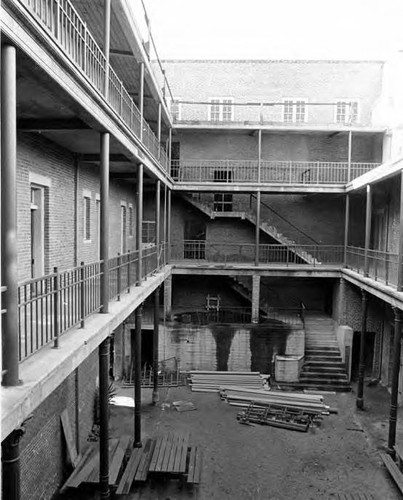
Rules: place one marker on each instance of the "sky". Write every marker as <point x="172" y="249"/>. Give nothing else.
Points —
<point x="275" y="29"/>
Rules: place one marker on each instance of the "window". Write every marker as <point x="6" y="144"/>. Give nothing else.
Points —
<point x="123" y="228"/>
<point x="221" y="109"/>
<point x="294" y="110"/>
<point x="346" y="111"/>
<point x="131" y="221"/>
<point x="176" y="110"/>
<point x="87" y="218"/>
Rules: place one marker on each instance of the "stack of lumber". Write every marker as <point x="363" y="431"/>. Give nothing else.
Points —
<point x="243" y="397"/>
<point x="211" y="381"/>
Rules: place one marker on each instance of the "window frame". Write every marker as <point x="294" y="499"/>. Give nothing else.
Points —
<point x="346" y="103"/>
<point x="219" y="102"/>
<point x="294" y="107"/>
<point x="87" y="226"/>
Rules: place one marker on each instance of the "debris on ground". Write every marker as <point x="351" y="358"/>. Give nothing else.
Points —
<point x="211" y="381"/>
<point x="184" y="406"/>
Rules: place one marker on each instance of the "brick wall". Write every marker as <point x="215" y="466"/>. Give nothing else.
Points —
<point x="43" y="450"/>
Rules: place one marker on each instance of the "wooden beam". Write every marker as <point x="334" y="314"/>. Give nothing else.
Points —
<point x="35" y="124"/>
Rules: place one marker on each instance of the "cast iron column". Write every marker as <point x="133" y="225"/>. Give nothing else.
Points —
<point x="159" y="129"/>
<point x="155" y="343"/>
<point x="349" y="147"/>
<point x="158" y="221"/>
<point x="395" y="381"/>
<point x="141" y="99"/>
<point x="346" y="227"/>
<point x="367" y="230"/>
<point x="104" y="227"/>
<point x="9" y="265"/>
<point x="107" y="43"/>
<point x="103" y="354"/>
<point x="165" y="224"/>
<point x="257" y="232"/>
<point x="400" y="254"/>
<point x="361" y="366"/>
<point x="169" y="227"/>
<point x="10" y="458"/>
<point x="139" y="224"/>
<point x="137" y="378"/>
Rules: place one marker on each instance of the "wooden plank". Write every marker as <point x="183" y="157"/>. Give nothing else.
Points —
<point x="191" y="467"/>
<point x="182" y="463"/>
<point x="197" y="467"/>
<point x="129" y="473"/>
<point x="71" y="481"/>
<point x="167" y="453"/>
<point x="84" y="472"/>
<point x="117" y="459"/>
<point x="93" y="477"/>
<point x="72" y="455"/>
<point x="155" y="454"/>
<point x="142" y="471"/>
<point x="161" y="454"/>
<point x="393" y="470"/>
<point x="174" y="451"/>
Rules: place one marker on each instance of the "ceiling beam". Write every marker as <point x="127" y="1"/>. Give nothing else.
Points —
<point x="35" y="124"/>
<point x="124" y="53"/>
<point x="96" y="157"/>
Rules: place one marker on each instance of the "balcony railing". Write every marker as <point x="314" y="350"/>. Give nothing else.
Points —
<point x="50" y="305"/>
<point x="281" y="172"/>
<point x="235" y="253"/>
<point x="382" y="266"/>
<point x="62" y="22"/>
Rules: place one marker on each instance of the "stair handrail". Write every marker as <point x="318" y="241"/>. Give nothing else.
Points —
<point x="286" y="220"/>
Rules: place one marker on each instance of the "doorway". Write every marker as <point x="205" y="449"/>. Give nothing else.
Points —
<point x="195" y="240"/>
<point x="37" y="231"/>
<point x="223" y="201"/>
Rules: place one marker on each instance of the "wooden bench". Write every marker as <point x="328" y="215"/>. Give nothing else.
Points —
<point x="194" y="466"/>
<point x="170" y="455"/>
<point x="393" y="469"/>
<point x="137" y="467"/>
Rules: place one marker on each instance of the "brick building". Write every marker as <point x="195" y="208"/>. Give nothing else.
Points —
<point x="272" y="184"/>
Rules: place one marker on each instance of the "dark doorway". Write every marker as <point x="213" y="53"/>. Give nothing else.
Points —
<point x="175" y="160"/>
<point x="146" y="348"/>
<point x="223" y="201"/>
<point x="195" y="240"/>
<point x="368" y="354"/>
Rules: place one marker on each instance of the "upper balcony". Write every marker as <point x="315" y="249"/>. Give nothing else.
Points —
<point x="60" y="23"/>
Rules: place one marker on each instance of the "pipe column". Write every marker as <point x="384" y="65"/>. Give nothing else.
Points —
<point x="139" y="224"/>
<point x="155" y="344"/>
<point x="104" y="226"/>
<point x="137" y="377"/>
<point x="103" y="354"/>
<point x="10" y="458"/>
<point x="361" y="366"/>
<point x="395" y="381"/>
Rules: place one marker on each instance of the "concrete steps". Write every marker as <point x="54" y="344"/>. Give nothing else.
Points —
<point x="323" y="368"/>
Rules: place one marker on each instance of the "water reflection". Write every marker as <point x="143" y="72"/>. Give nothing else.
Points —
<point x="224" y="347"/>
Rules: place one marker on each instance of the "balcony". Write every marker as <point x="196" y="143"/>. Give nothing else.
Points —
<point x="273" y="172"/>
<point x="61" y="21"/>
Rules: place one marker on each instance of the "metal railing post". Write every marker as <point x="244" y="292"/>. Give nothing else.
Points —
<point x="56" y="308"/>
<point x="82" y="298"/>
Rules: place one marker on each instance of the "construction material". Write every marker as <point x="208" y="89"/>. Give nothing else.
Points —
<point x="72" y="454"/>
<point x="182" y="406"/>
<point x="276" y="417"/>
<point x="394" y="470"/>
<point x="170" y="454"/>
<point x="137" y="467"/>
<point x="194" y="466"/>
<point x="211" y="381"/>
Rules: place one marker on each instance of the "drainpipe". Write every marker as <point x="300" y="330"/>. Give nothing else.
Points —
<point x="10" y="451"/>
<point x="9" y="263"/>
<point x="395" y="381"/>
<point x="103" y="355"/>
<point x="361" y="367"/>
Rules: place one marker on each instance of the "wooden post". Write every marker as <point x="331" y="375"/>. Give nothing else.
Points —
<point x="346" y="228"/>
<point x="361" y="367"/>
<point x="139" y="224"/>
<point x="103" y="354"/>
<point x="9" y="264"/>
<point x="155" y="343"/>
<point x="104" y="226"/>
<point x="400" y="250"/>
<point x="367" y="230"/>
<point x="137" y="378"/>
<point x="395" y="381"/>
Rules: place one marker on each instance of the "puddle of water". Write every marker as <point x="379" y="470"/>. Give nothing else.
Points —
<point x="224" y="347"/>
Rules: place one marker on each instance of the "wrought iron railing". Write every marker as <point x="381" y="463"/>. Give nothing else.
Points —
<point x="50" y="305"/>
<point x="382" y="266"/>
<point x="282" y="172"/>
<point x="62" y="22"/>
<point x="222" y="252"/>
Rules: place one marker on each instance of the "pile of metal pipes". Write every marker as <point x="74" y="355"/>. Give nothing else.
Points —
<point x="243" y="397"/>
<point x="212" y="381"/>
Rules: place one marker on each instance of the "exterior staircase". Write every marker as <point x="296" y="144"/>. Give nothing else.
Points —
<point x="264" y="226"/>
<point x="323" y="368"/>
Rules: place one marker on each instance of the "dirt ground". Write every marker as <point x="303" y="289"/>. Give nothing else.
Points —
<point x="338" y="460"/>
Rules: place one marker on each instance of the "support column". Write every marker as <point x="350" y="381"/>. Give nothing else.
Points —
<point x="141" y="103"/>
<point x="170" y="151"/>
<point x="257" y="230"/>
<point x="395" y="381"/>
<point x="159" y="129"/>
<point x="367" y="230"/>
<point x="349" y="146"/>
<point x="169" y="227"/>
<point x="168" y="297"/>
<point x="137" y="378"/>
<point x="361" y="366"/>
<point x="139" y="224"/>
<point x="158" y="221"/>
<point x="259" y="164"/>
<point x="165" y="224"/>
<point x="104" y="226"/>
<point x="10" y="458"/>
<point x="255" y="298"/>
<point x="155" y="343"/>
<point x="9" y="265"/>
<point x="103" y="354"/>
<point x="346" y="228"/>
<point x="400" y="249"/>
<point x="107" y="43"/>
